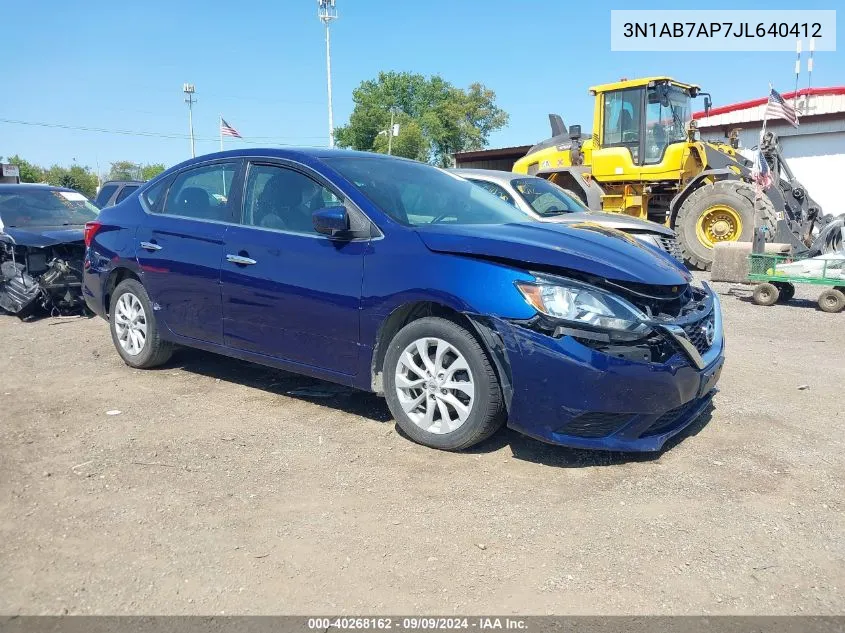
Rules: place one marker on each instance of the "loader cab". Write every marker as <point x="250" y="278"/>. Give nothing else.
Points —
<point x="635" y="122"/>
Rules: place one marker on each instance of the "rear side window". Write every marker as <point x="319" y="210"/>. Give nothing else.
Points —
<point x="152" y="195"/>
<point x="202" y="193"/>
<point x="124" y="193"/>
<point x="105" y="194"/>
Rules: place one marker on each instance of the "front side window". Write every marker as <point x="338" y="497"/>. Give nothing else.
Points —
<point x="622" y="120"/>
<point x="202" y="193"/>
<point x="545" y="197"/>
<point x="415" y="194"/>
<point x="284" y="199"/>
<point x="667" y="113"/>
<point x="496" y="190"/>
<point x="45" y="207"/>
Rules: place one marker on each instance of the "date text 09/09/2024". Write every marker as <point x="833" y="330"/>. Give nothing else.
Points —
<point x="417" y="623"/>
<point x="721" y="29"/>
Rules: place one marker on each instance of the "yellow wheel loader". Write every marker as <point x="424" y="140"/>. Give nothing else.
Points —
<point x="644" y="158"/>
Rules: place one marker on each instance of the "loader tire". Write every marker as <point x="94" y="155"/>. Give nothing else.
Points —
<point x="722" y="211"/>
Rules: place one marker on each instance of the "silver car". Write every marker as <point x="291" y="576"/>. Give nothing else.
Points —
<point x="546" y="202"/>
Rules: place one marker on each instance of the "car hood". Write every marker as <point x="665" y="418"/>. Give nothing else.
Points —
<point x="618" y="221"/>
<point x="39" y="236"/>
<point x="585" y="247"/>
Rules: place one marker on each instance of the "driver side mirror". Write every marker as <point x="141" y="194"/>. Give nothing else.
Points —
<point x="331" y="221"/>
<point x="707" y="104"/>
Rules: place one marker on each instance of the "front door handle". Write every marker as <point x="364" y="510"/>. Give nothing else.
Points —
<point x="150" y="246"/>
<point x="240" y="260"/>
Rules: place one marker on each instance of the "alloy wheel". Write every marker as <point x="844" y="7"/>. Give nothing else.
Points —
<point x="435" y="385"/>
<point x="130" y="324"/>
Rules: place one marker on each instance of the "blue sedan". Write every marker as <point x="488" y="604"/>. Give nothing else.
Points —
<point x="400" y="278"/>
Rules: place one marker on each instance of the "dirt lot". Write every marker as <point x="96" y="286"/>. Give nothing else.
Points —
<point x="213" y="491"/>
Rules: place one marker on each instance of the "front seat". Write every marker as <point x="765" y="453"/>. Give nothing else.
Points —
<point x="275" y="202"/>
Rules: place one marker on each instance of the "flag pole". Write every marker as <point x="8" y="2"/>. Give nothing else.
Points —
<point x="765" y="115"/>
<point x="220" y="126"/>
<point x="797" y="72"/>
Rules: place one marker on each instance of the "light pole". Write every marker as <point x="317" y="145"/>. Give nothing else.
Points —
<point x="189" y="90"/>
<point x="327" y="12"/>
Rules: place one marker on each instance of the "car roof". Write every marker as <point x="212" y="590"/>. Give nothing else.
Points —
<point x="492" y="175"/>
<point x="291" y="153"/>
<point x="30" y="186"/>
<point x="123" y="182"/>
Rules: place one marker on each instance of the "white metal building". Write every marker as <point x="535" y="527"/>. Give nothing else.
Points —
<point x="815" y="150"/>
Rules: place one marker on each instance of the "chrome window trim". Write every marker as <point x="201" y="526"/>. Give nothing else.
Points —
<point x="267" y="160"/>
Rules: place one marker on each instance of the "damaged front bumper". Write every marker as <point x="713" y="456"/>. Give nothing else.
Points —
<point x="41" y="278"/>
<point x="563" y="391"/>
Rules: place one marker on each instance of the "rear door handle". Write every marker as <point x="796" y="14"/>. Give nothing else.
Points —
<point x="150" y="246"/>
<point x="240" y="260"/>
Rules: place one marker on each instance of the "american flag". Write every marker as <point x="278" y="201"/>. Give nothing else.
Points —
<point x="228" y="130"/>
<point x="761" y="174"/>
<point x="777" y="108"/>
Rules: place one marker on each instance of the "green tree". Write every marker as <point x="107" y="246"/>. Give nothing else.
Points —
<point x="82" y="179"/>
<point x="124" y="170"/>
<point x="436" y="118"/>
<point x="29" y="172"/>
<point x="151" y="170"/>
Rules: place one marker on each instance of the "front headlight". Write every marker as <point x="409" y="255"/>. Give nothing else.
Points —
<point x="587" y="309"/>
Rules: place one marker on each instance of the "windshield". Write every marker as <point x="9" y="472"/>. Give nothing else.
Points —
<point x="45" y="207"/>
<point x="667" y="115"/>
<point x="415" y="194"/>
<point x="545" y="197"/>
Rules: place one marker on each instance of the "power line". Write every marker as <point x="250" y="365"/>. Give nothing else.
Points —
<point x="82" y="128"/>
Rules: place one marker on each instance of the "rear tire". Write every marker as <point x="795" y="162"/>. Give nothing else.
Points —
<point x="134" y="328"/>
<point x="433" y="401"/>
<point x="832" y="300"/>
<point x="766" y="294"/>
<point x="736" y="195"/>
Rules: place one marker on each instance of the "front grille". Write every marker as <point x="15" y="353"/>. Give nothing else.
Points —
<point x="697" y="332"/>
<point x="671" y="246"/>
<point x="669" y="419"/>
<point x="596" y="424"/>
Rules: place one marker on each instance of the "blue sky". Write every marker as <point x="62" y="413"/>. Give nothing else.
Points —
<point x="119" y="65"/>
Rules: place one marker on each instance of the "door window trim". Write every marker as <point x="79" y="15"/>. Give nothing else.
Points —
<point x="641" y="127"/>
<point x="234" y="201"/>
<point x="305" y="170"/>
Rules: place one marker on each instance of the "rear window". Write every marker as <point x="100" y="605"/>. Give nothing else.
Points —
<point x="105" y="195"/>
<point x="45" y="207"/>
<point x="125" y="192"/>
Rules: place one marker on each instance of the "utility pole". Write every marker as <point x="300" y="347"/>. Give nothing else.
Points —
<point x="390" y="133"/>
<point x="327" y="12"/>
<point x="189" y="90"/>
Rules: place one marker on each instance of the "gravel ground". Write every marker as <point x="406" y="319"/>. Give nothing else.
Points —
<point x="214" y="490"/>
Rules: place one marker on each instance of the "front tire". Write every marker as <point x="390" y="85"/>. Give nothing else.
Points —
<point x="441" y="386"/>
<point x="723" y="211"/>
<point x="134" y="329"/>
<point x="765" y="294"/>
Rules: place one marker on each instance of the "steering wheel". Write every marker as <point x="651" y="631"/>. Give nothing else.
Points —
<point x="440" y="218"/>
